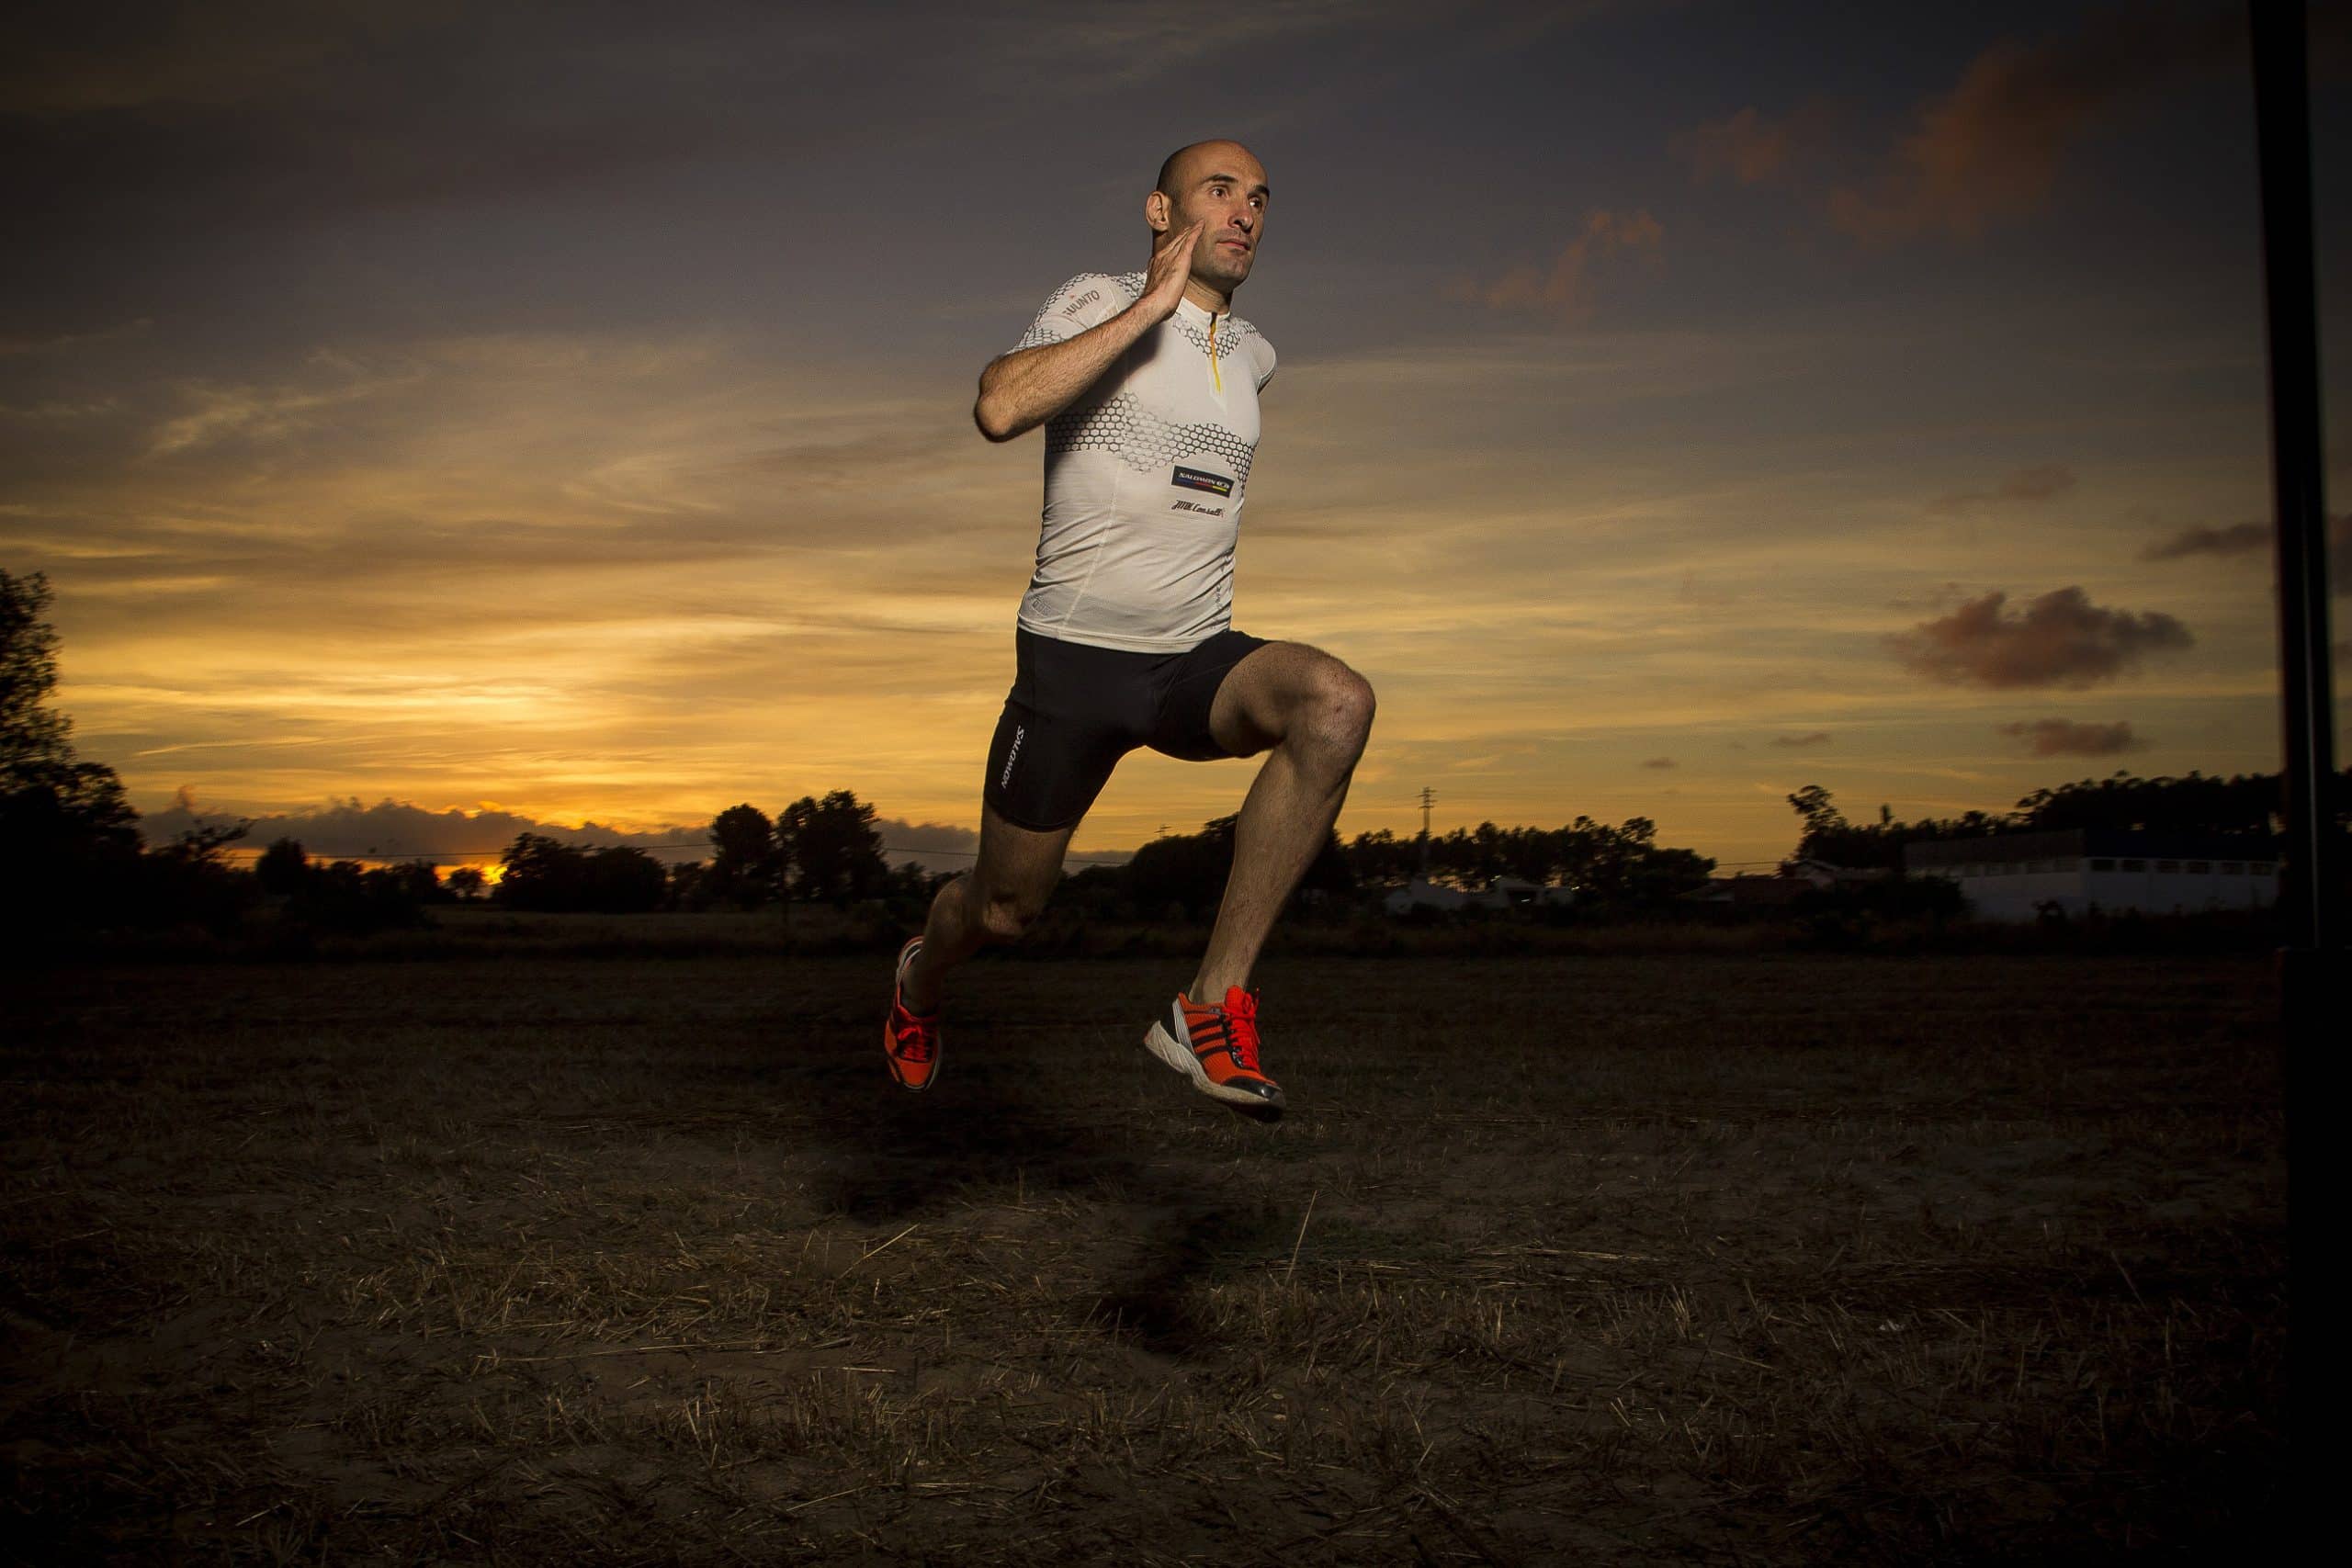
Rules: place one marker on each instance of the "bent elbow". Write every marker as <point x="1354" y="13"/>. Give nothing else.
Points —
<point x="991" y="420"/>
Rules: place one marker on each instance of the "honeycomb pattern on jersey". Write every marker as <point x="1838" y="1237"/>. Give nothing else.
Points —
<point x="1038" y="336"/>
<point x="1228" y="342"/>
<point x="1141" y="439"/>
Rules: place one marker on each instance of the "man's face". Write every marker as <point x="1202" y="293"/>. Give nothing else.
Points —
<point x="1224" y="190"/>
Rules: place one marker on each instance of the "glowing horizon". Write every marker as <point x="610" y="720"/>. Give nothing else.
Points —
<point x="559" y="459"/>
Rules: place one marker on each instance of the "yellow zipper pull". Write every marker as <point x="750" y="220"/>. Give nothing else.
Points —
<point x="1213" y="375"/>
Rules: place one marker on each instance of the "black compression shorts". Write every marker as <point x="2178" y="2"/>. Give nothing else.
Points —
<point x="1076" y="709"/>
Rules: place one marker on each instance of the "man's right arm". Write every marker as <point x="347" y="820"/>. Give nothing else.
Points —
<point x="1022" y="389"/>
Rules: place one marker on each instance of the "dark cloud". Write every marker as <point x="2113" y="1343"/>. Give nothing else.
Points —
<point x="395" y="830"/>
<point x="1817" y="738"/>
<point x="934" y="846"/>
<point x="2025" y="484"/>
<point x="1661" y="763"/>
<point x="1989" y="149"/>
<point x="191" y="115"/>
<point x="2067" y="738"/>
<point x="2244" y="539"/>
<point x="2203" y="539"/>
<point x="2060" y="640"/>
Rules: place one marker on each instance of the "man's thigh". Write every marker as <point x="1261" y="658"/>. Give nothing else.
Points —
<point x="1253" y="707"/>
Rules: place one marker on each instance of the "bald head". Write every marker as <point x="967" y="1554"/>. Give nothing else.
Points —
<point x="1184" y="166"/>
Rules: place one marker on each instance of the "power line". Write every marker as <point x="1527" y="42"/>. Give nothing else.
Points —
<point x="439" y="855"/>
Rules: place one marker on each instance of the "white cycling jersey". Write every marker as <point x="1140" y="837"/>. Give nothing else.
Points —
<point x="1145" y="475"/>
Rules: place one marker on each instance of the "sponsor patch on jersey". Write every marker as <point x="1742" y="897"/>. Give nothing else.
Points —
<point x="1204" y="511"/>
<point x="1197" y="479"/>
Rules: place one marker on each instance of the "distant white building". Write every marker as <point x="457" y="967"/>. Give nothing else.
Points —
<point x="2018" y="876"/>
<point x="1505" y="893"/>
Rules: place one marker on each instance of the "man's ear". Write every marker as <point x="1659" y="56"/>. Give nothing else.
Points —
<point x="1155" y="211"/>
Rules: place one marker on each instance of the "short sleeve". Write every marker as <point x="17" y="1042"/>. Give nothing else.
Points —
<point x="1265" y="363"/>
<point x="1086" y="300"/>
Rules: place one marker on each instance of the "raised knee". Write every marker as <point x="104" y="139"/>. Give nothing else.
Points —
<point x="1005" y="917"/>
<point x="1343" y="708"/>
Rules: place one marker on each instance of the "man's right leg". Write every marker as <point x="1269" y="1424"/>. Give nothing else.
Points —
<point x="994" y="902"/>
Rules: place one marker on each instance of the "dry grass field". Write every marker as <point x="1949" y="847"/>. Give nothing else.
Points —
<point x="1770" y="1258"/>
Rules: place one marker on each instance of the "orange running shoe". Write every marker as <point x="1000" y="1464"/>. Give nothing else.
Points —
<point x="909" y="1042"/>
<point x="1217" y="1048"/>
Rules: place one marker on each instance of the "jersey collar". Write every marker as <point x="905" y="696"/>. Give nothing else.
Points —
<point x="1198" y="316"/>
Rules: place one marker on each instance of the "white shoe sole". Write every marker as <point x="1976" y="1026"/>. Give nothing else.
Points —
<point x="1180" y="1056"/>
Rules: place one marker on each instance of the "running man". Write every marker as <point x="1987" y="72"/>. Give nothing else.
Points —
<point x="1148" y="386"/>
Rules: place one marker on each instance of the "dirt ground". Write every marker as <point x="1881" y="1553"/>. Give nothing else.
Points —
<point x="643" y="1260"/>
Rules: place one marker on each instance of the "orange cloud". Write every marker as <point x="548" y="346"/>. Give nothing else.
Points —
<point x="1562" y="289"/>
<point x="2060" y="640"/>
<point x="1989" y="150"/>
<point x="2203" y="539"/>
<point x="2025" y="484"/>
<point x="2067" y="738"/>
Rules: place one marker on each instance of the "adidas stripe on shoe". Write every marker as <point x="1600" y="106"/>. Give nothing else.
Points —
<point x="1215" y="1048"/>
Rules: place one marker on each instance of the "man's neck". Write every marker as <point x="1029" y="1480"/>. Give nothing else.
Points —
<point x="1215" y="302"/>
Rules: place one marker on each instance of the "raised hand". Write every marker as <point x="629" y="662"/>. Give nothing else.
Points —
<point x="1171" y="268"/>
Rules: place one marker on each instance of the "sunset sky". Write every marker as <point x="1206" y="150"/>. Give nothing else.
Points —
<point x="566" y="410"/>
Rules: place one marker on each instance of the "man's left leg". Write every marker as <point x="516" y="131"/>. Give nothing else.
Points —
<point x="1315" y="714"/>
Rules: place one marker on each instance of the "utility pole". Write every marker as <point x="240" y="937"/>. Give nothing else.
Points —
<point x="1428" y="799"/>
<point x="2311" y="868"/>
<point x="2311" y="876"/>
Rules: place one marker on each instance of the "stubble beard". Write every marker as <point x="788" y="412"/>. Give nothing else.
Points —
<point x="1226" y="274"/>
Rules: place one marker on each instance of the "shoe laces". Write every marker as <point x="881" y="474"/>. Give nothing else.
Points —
<point x="1239" y="1014"/>
<point x="912" y="1036"/>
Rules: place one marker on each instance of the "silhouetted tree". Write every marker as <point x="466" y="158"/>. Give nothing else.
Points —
<point x="1610" y="867"/>
<point x="282" y="868"/>
<point x="58" y="813"/>
<point x="833" y="848"/>
<point x="1380" y="857"/>
<point x="466" y="882"/>
<point x="2246" y="803"/>
<point x="1192" y="869"/>
<point x="1185" y="869"/>
<point x="542" y="874"/>
<point x="546" y="875"/>
<point x="625" y="881"/>
<point x="349" y="899"/>
<point x="65" y="827"/>
<point x="420" y="881"/>
<point x="744" y="859"/>
<point x="1828" y="837"/>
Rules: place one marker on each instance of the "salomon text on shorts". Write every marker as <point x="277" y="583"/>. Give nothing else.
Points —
<point x="1076" y="709"/>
